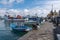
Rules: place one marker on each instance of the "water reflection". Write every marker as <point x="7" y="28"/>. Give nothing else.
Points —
<point x="7" y="34"/>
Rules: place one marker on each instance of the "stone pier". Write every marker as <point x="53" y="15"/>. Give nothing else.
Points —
<point x="44" y="33"/>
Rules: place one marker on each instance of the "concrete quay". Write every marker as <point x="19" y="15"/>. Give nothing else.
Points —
<point x="44" y="33"/>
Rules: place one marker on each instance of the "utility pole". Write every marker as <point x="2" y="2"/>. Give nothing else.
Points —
<point x="52" y="10"/>
<point x="52" y="7"/>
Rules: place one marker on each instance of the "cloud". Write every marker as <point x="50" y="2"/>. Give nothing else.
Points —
<point x="56" y="4"/>
<point x="2" y="12"/>
<point x="47" y="4"/>
<point x="19" y="1"/>
<point x="10" y="2"/>
<point x="24" y="12"/>
<point x="42" y="8"/>
<point x="36" y="10"/>
<point x="13" y="12"/>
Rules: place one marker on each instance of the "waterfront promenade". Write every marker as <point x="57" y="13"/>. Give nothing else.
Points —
<point x="45" y="32"/>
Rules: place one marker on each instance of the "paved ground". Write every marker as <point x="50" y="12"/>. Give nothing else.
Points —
<point x="44" y="33"/>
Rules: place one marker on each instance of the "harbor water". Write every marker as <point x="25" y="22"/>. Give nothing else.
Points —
<point x="7" y="34"/>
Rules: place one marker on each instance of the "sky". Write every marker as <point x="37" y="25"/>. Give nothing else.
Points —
<point x="28" y="7"/>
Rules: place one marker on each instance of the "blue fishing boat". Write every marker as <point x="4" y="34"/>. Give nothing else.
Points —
<point x="20" y="28"/>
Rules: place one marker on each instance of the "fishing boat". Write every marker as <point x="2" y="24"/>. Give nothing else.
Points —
<point x="18" y="23"/>
<point x="20" y="28"/>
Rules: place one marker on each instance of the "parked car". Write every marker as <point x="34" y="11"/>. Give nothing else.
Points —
<point x="56" y="32"/>
<point x="56" y="20"/>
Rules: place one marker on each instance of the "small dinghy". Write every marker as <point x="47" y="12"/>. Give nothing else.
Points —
<point x="20" y="28"/>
